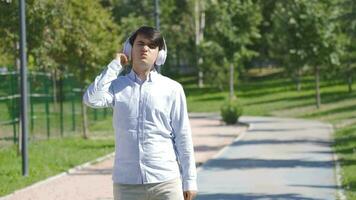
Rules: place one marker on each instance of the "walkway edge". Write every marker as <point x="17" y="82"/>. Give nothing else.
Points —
<point x="51" y="178"/>
<point x="338" y="177"/>
<point x="239" y="137"/>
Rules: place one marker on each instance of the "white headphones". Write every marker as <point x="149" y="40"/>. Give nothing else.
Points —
<point x="162" y="54"/>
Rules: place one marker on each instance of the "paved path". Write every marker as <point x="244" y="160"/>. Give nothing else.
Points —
<point x="94" y="182"/>
<point x="275" y="159"/>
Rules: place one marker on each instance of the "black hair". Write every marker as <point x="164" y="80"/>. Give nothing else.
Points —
<point x="150" y="33"/>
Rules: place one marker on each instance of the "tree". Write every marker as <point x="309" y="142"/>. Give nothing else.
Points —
<point x="65" y="36"/>
<point x="348" y="23"/>
<point x="177" y="26"/>
<point x="231" y="28"/>
<point x="309" y="36"/>
<point x="90" y="38"/>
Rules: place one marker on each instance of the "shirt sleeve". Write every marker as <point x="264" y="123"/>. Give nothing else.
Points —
<point x="183" y="140"/>
<point x="99" y="93"/>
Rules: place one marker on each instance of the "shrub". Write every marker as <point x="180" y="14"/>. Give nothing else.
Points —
<point x="231" y="111"/>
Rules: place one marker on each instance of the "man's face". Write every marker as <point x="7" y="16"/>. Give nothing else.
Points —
<point x="144" y="53"/>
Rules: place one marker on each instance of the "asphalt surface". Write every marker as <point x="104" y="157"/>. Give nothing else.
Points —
<point x="276" y="158"/>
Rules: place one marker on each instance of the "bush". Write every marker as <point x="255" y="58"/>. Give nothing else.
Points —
<point x="231" y="111"/>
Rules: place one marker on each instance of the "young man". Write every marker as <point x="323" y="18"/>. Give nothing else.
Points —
<point x="154" y="156"/>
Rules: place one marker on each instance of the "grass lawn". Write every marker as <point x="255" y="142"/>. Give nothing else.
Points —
<point x="48" y="158"/>
<point x="277" y="96"/>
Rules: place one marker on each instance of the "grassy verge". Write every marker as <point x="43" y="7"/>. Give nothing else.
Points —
<point x="277" y="96"/>
<point x="48" y="158"/>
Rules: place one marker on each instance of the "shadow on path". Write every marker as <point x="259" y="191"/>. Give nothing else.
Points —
<point x="252" y="197"/>
<point x="251" y="163"/>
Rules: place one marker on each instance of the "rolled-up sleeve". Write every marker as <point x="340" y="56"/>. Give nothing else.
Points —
<point x="99" y="94"/>
<point x="183" y="140"/>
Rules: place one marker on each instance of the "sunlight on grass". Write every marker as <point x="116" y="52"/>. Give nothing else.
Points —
<point x="48" y="158"/>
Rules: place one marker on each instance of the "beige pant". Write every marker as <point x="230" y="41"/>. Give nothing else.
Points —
<point x="168" y="190"/>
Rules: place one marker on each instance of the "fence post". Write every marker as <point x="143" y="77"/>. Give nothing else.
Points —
<point x="31" y="101"/>
<point x="13" y="110"/>
<point x="61" y="104"/>
<point x="47" y="96"/>
<point x="73" y="111"/>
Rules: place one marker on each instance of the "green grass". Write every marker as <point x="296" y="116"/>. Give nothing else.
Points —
<point x="277" y="96"/>
<point x="48" y="158"/>
<point x="346" y="149"/>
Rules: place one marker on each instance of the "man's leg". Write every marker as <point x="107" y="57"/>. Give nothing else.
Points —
<point x="169" y="190"/>
<point x="130" y="192"/>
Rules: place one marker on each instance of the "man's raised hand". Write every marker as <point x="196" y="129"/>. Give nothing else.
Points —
<point x="122" y="59"/>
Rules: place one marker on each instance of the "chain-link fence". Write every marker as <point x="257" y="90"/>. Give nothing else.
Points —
<point x="54" y="107"/>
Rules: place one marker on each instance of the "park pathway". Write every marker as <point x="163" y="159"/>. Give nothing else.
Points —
<point x="93" y="181"/>
<point x="275" y="159"/>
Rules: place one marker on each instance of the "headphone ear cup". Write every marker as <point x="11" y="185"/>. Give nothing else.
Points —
<point x="127" y="49"/>
<point x="161" y="58"/>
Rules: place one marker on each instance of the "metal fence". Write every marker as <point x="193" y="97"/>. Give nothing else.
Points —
<point x="54" y="107"/>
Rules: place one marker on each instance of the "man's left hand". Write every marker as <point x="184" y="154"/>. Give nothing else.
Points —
<point x="189" y="195"/>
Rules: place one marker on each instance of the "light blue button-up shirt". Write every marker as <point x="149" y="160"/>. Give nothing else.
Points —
<point x="150" y="119"/>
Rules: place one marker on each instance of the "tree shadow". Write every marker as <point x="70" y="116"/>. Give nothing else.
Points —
<point x="195" y="91"/>
<point x="202" y="148"/>
<point x="289" y="98"/>
<point x="318" y="186"/>
<point x="97" y="146"/>
<point x="333" y="111"/>
<point x="247" y="163"/>
<point x="286" y="129"/>
<point x="269" y="141"/>
<point x="349" y="150"/>
<point x="219" y="135"/>
<point x="249" y="196"/>
<point x="326" y="97"/>
<point x="346" y="141"/>
<point x="217" y="98"/>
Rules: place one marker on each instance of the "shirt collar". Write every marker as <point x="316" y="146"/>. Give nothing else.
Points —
<point x="152" y="76"/>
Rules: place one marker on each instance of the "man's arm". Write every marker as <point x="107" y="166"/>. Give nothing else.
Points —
<point x="183" y="141"/>
<point x="99" y="94"/>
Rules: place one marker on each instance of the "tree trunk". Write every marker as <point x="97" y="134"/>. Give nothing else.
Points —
<point x="201" y="76"/>
<point x="349" y="82"/>
<point x="199" y="35"/>
<point x="298" y="83"/>
<point x="317" y="87"/>
<point x="232" y="95"/>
